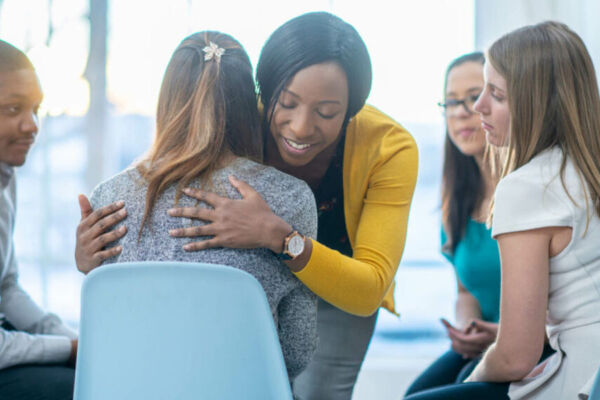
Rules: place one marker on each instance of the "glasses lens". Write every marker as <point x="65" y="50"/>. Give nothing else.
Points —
<point x="471" y="100"/>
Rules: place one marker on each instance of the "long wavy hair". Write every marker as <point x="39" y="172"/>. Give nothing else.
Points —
<point x="462" y="182"/>
<point x="206" y="112"/>
<point x="553" y="100"/>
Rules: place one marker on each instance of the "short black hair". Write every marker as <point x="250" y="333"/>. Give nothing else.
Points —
<point x="310" y="39"/>
<point x="12" y="59"/>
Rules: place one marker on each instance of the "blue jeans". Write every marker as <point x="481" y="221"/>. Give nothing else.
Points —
<point x="343" y="342"/>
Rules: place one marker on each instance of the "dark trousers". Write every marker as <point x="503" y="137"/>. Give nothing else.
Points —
<point x="37" y="382"/>
<point x="450" y="368"/>
<point x="464" y="391"/>
<point x="443" y="380"/>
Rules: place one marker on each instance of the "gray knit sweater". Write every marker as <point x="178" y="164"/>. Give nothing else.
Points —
<point x="293" y="306"/>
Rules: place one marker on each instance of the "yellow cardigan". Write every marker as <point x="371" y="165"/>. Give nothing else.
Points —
<point x="379" y="176"/>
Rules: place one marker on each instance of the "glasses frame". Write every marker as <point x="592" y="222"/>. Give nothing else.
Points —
<point x="460" y="102"/>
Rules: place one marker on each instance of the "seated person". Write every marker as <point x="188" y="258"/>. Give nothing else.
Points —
<point x="207" y="135"/>
<point x="539" y="108"/>
<point x="35" y="346"/>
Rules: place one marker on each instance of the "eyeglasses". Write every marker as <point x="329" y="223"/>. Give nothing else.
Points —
<point x="452" y="106"/>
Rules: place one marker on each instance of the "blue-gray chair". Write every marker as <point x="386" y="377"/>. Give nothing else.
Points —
<point x="168" y="330"/>
<point x="595" y="392"/>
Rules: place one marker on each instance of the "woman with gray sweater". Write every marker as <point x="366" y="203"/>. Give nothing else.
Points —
<point x="207" y="135"/>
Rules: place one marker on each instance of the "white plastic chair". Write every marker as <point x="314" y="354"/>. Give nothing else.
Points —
<point x="168" y="330"/>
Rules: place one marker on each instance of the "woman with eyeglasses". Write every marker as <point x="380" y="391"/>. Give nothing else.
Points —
<point x="467" y="187"/>
<point x="540" y="105"/>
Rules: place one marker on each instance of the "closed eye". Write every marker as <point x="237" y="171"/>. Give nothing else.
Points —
<point x="287" y="105"/>
<point x="327" y="116"/>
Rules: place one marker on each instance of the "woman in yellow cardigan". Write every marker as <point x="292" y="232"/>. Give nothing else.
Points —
<point x="314" y="76"/>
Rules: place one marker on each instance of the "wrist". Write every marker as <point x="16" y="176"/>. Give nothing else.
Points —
<point x="278" y="230"/>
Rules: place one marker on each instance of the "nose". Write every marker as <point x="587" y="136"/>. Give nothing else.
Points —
<point x="301" y="124"/>
<point x="481" y="105"/>
<point x="30" y="123"/>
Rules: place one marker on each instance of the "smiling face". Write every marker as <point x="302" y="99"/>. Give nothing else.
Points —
<point x="309" y="113"/>
<point x="465" y="82"/>
<point x="20" y="98"/>
<point x="493" y="107"/>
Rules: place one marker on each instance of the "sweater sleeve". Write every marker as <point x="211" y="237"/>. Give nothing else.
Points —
<point x="358" y="284"/>
<point x="297" y="319"/>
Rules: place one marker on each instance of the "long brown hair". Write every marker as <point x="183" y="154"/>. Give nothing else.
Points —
<point x="462" y="182"/>
<point x="206" y="112"/>
<point x="553" y="100"/>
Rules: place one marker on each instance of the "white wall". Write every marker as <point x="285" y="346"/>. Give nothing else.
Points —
<point x="494" y="18"/>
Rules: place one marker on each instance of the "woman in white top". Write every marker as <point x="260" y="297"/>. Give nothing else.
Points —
<point x="541" y="106"/>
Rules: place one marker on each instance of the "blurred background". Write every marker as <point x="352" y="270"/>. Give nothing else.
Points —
<point x="101" y="62"/>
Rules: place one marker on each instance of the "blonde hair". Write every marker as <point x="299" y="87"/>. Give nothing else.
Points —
<point x="553" y="100"/>
<point x="206" y="111"/>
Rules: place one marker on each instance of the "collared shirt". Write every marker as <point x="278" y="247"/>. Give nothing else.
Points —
<point x="39" y="337"/>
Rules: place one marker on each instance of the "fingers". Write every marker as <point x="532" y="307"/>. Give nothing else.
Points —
<point x="201" y="213"/>
<point x="100" y="256"/>
<point x="193" y="231"/>
<point x="100" y="213"/>
<point x="242" y="187"/>
<point x="481" y="325"/>
<point x="207" y="197"/>
<point x="467" y="350"/>
<point x="96" y="258"/>
<point x="201" y="245"/>
<point x="108" y="222"/>
<point x="475" y="338"/>
<point x="107" y="238"/>
<point x="84" y="206"/>
<point x="447" y="324"/>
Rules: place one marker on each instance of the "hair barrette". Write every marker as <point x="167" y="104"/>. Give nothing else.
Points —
<point x="213" y="51"/>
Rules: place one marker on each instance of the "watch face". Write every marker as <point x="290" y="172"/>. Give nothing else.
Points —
<point x="296" y="245"/>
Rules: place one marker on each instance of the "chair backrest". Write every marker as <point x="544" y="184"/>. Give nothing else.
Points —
<point x="168" y="330"/>
<point x="595" y="392"/>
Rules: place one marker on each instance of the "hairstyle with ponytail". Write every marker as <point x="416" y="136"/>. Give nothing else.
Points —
<point x="206" y="112"/>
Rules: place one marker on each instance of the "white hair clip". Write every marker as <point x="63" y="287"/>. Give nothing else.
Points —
<point x="213" y="51"/>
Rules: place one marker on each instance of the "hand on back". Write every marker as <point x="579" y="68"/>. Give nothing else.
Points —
<point x="94" y="233"/>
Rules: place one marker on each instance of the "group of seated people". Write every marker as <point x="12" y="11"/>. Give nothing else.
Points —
<point x="253" y="187"/>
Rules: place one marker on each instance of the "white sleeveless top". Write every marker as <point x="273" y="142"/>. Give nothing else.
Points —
<point x="533" y="197"/>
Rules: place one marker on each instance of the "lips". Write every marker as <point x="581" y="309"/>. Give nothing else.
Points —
<point x="22" y="144"/>
<point x="295" y="147"/>
<point x="466" y="132"/>
<point x="486" y="126"/>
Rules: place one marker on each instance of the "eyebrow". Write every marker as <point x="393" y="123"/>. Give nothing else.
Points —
<point x="496" y="88"/>
<point x="320" y="102"/>
<point x="469" y="90"/>
<point x="20" y="97"/>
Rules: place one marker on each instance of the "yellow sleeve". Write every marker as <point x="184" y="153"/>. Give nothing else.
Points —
<point x="358" y="285"/>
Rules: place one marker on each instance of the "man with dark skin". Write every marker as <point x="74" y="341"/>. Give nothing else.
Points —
<point x="37" y="351"/>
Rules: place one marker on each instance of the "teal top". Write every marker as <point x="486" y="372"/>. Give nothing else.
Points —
<point x="477" y="264"/>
